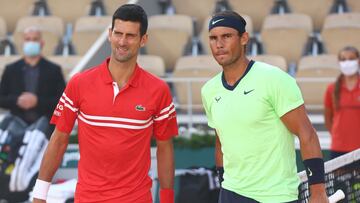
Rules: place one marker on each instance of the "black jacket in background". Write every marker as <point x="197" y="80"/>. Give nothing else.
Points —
<point x="50" y="87"/>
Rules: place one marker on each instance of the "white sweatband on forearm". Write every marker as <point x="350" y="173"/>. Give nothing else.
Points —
<point x="41" y="189"/>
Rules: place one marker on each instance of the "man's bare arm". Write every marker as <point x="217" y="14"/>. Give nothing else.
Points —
<point x="218" y="152"/>
<point x="165" y="163"/>
<point x="53" y="156"/>
<point x="299" y="124"/>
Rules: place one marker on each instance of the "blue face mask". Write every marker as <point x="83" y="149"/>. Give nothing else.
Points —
<point x="31" y="48"/>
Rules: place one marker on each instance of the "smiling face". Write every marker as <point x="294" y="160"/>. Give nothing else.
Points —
<point x="227" y="46"/>
<point x="126" y="40"/>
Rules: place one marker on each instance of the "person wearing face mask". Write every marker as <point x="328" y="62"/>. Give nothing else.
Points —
<point x="31" y="86"/>
<point x="342" y="105"/>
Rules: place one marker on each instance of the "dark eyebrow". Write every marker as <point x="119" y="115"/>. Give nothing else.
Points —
<point x="128" y="34"/>
<point x="131" y="34"/>
<point x="227" y="34"/>
<point x="115" y="31"/>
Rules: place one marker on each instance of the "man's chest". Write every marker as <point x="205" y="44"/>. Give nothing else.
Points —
<point x="130" y="103"/>
<point x="244" y="106"/>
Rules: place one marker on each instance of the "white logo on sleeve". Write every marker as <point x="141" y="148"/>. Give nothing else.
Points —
<point x="310" y="172"/>
<point x="216" y="21"/>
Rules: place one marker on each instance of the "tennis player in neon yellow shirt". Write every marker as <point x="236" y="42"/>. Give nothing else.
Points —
<point x="257" y="110"/>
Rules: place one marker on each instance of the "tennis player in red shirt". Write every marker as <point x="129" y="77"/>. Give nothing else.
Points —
<point x="119" y="107"/>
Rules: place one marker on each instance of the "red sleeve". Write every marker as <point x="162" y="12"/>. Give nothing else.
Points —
<point x="66" y="111"/>
<point x="165" y="124"/>
<point x="328" y="97"/>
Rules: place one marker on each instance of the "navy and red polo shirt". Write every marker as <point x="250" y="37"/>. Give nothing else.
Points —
<point x="114" y="129"/>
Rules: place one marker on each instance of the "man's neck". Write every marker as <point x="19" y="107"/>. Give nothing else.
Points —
<point x="32" y="61"/>
<point x="121" y="71"/>
<point x="235" y="71"/>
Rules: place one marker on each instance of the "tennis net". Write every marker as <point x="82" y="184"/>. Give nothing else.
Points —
<point x="340" y="173"/>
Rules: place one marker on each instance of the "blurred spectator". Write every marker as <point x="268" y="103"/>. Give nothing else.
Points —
<point x="31" y="86"/>
<point x="342" y="105"/>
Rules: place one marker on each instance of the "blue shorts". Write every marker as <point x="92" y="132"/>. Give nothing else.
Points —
<point x="227" y="196"/>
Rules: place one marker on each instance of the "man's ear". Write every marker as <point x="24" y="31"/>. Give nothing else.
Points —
<point x="144" y="40"/>
<point x="109" y="34"/>
<point x="244" y="38"/>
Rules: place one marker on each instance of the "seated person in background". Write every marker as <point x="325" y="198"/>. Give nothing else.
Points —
<point x="342" y="105"/>
<point x="31" y="86"/>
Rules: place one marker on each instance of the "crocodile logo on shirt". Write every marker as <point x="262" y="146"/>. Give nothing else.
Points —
<point x="139" y="108"/>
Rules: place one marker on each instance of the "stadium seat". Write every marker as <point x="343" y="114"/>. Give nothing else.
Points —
<point x="67" y="63"/>
<point x="168" y="36"/>
<point x="198" y="62"/>
<point x="5" y="60"/>
<point x="87" y="30"/>
<point x="204" y="34"/>
<point x="256" y="9"/>
<point x="52" y="28"/>
<point x="354" y="5"/>
<point x="52" y="24"/>
<point x="188" y="68"/>
<point x="112" y="5"/>
<point x="325" y="65"/>
<point x="341" y="30"/>
<point x="199" y="9"/>
<point x="313" y="91"/>
<point x="153" y="64"/>
<point x="314" y="74"/>
<point x="274" y="60"/>
<point x="13" y="10"/>
<point x="286" y="35"/>
<point x="317" y="10"/>
<point x="68" y="10"/>
<point x="3" y="29"/>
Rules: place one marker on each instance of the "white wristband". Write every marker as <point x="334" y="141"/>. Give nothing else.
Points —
<point x="41" y="189"/>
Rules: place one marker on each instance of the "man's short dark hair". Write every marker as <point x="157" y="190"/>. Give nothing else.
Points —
<point x="231" y="14"/>
<point x="133" y="13"/>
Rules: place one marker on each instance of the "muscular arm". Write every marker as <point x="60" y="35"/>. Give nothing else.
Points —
<point x="299" y="124"/>
<point x="53" y="156"/>
<point x="218" y="152"/>
<point x="165" y="163"/>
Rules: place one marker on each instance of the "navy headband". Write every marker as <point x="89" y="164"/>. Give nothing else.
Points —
<point x="226" y="21"/>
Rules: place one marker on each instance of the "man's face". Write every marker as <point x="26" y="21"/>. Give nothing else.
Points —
<point x="226" y="45"/>
<point x="125" y="40"/>
<point x="32" y="44"/>
<point x="32" y="36"/>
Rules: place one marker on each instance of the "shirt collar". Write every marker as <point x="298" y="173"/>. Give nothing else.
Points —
<point x="106" y="76"/>
<point x="232" y="87"/>
<point x="35" y="66"/>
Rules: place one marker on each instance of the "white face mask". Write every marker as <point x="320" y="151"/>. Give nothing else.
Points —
<point x="349" y="67"/>
<point x="32" y="48"/>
